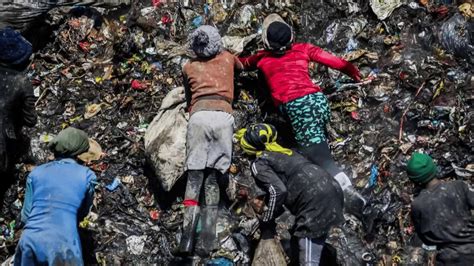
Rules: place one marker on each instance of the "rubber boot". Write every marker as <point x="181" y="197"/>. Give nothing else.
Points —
<point x="191" y="212"/>
<point x="208" y="238"/>
<point x="191" y="218"/>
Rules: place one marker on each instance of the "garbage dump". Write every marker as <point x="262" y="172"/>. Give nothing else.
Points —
<point x="107" y="71"/>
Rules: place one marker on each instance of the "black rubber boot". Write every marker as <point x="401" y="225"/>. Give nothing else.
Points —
<point x="191" y="218"/>
<point x="208" y="238"/>
<point x="191" y="212"/>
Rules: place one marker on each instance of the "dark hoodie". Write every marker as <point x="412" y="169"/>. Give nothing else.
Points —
<point x="17" y="109"/>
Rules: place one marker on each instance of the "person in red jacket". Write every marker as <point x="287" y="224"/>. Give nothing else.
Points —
<point x="285" y="67"/>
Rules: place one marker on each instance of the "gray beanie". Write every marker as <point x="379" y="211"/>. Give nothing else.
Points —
<point x="205" y="41"/>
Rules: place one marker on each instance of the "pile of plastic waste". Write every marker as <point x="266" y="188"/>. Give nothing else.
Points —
<point x="107" y="70"/>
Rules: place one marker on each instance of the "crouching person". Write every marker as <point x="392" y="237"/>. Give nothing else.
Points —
<point x="309" y="192"/>
<point x="58" y="195"/>
<point x="442" y="213"/>
<point x="209" y="88"/>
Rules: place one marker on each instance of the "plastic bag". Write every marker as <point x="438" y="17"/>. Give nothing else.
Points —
<point x="269" y="252"/>
<point x="383" y="9"/>
<point x="455" y="35"/>
<point x="19" y="14"/>
<point x="165" y="139"/>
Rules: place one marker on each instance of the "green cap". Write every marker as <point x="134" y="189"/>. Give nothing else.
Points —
<point x="421" y="168"/>
<point x="70" y="142"/>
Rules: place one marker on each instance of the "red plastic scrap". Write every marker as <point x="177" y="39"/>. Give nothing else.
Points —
<point x="166" y="19"/>
<point x="441" y="11"/>
<point x="403" y="75"/>
<point x="36" y="81"/>
<point x="156" y="3"/>
<point x="154" y="214"/>
<point x="409" y="230"/>
<point x="137" y="85"/>
<point x="355" y="115"/>
<point x="100" y="167"/>
<point x="85" y="46"/>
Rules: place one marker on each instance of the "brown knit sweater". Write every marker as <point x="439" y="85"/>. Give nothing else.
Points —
<point x="210" y="82"/>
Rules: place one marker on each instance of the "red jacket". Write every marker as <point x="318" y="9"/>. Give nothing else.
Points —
<point x="287" y="75"/>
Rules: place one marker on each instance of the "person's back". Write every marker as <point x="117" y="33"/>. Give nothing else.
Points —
<point x="210" y="82"/>
<point x="442" y="216"/>
<point x="287" y="75"/>
<point x="441" y="212"/>
<point x="59" y="190"/>
<point x="308" y="189"/>
<point x="58" y="195"/>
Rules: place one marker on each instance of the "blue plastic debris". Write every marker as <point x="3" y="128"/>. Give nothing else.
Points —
<point x="114" y="185"/>
<point x="197" y="21"/>
<point x="220" y="262"/>
<point x="207" y="10"/>
<point x="374" y="172"/>
<point x="157" y="65"/>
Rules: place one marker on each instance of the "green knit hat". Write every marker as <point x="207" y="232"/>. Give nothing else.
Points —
<point x="421" y="168"/>
<point x="70" y="142"/>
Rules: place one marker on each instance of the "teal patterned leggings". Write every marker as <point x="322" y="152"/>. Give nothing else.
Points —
<point x="309" y="115"/>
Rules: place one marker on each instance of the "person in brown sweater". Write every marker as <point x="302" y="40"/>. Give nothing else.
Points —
<point x="209" y="89"/>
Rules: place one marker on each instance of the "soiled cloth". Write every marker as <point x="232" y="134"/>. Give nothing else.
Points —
<point x="209" y="83"/>
<point x="209" y="141"/>
<point x="442" y="217"/>
<point x="58" y="194"/>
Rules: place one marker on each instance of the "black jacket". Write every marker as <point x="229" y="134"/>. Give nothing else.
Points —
<point x="17" y="109"/>
<point x="442" y="216"/>
<point x="309" y="192"/>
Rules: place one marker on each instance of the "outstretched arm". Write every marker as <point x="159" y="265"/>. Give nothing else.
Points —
<point x="250" y="62"/>
<point x="317" y="54"/>
<point x="269" y="181"/>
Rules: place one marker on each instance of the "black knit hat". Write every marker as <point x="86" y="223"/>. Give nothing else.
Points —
<point x="278" y="35"/>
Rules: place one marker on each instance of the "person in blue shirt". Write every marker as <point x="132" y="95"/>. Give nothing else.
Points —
<point x="59" y="194"/>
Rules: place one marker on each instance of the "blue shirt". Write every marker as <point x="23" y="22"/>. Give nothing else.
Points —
<point x="58" y="194"/>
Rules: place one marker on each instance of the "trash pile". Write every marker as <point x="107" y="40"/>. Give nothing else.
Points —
<point x="107" y="72"/>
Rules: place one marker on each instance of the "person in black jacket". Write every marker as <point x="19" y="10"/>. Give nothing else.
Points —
<point x="442" y="212"/>
<point x="17" y="101"/>
<point x="309" y="192"/>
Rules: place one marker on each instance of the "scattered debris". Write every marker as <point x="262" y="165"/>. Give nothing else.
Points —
<point x="110" y="79"/>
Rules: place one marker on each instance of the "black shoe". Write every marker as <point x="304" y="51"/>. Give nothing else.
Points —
<point x="354" y="203"/>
